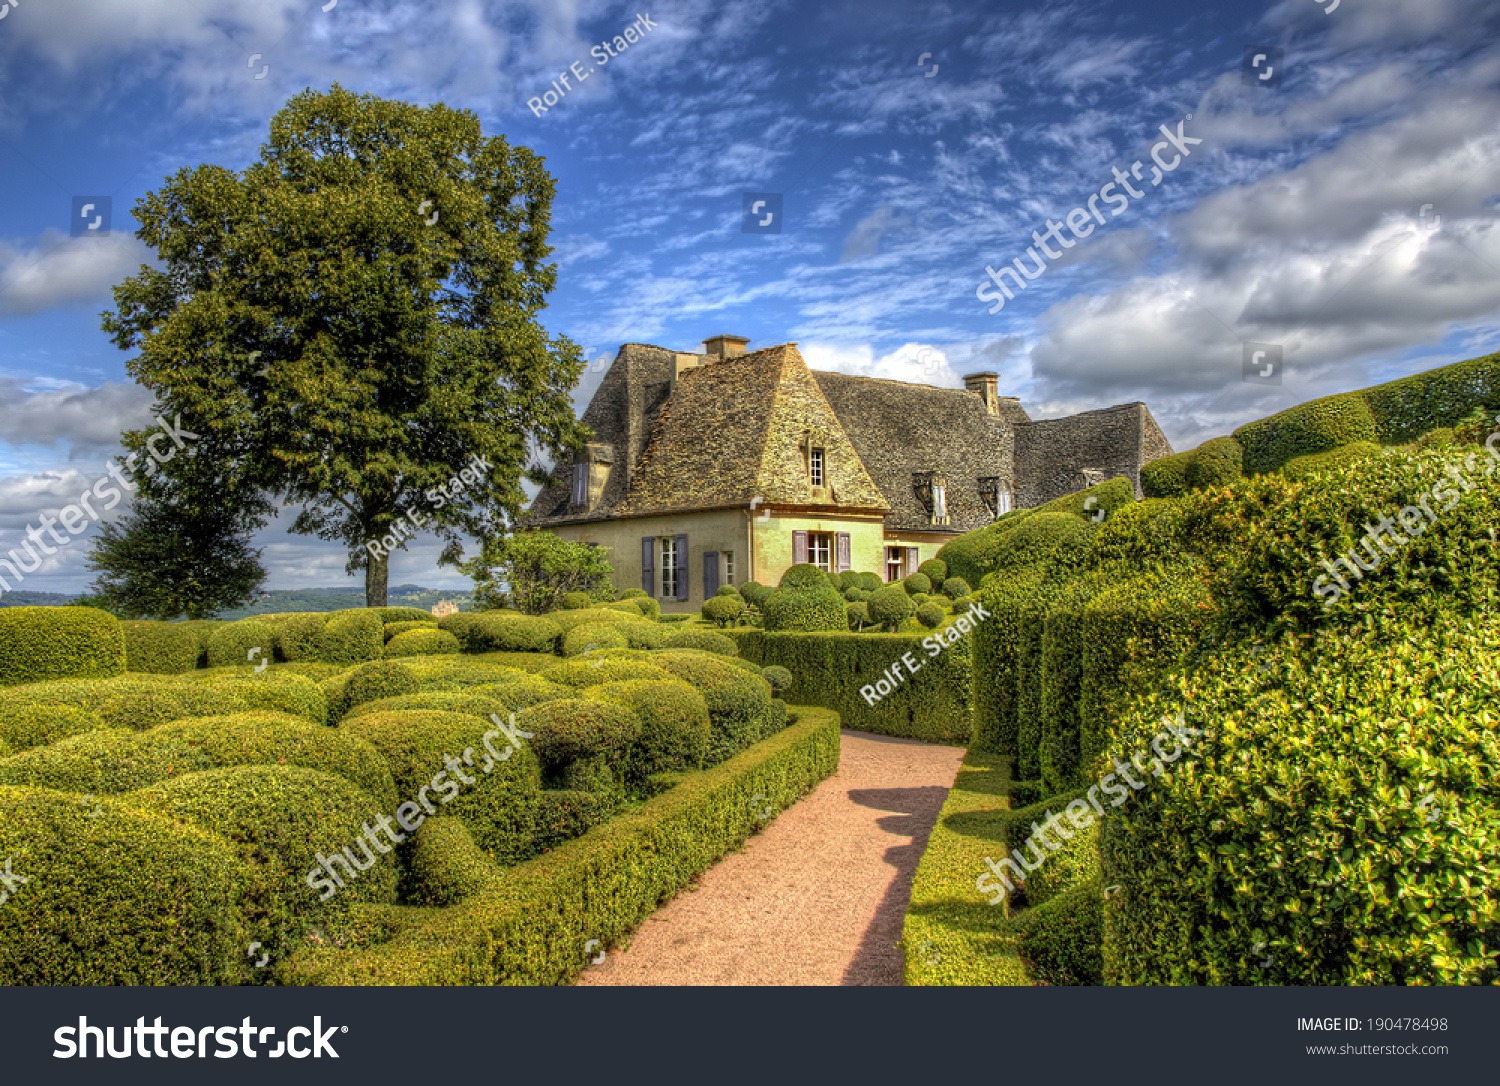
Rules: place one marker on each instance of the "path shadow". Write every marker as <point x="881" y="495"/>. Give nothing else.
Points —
<point x="877" y="961"/>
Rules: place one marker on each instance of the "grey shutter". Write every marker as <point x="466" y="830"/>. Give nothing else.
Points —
<point x="843" y="552"/>
<point x="799" y="548"/>
<point x="913" y="560"/>
<point x="580" y="484"/>
<point x="710" y="574"/>
<point x="648" y="565"/>
<point x="681" y="564"/>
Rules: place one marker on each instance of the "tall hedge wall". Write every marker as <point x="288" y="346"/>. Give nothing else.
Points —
<point x="533" y="927"/>
<point x="41" y="643"/>
<point x="828" y="669"/>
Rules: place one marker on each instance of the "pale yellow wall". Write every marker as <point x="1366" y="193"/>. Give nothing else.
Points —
<point x="728" y="530"/>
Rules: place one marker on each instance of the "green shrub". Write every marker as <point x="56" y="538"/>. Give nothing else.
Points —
<point x="283" y="819"/>
<point x="817" y="608"/>
<point x="394" y="628"/>
<point x="956" y="588"/>
<point x="737" y="700"/>
<point x="101" y="763"/>
<point x="1312" y="427"/>
<point x="935" y="570"/>
<point x="298" y="638"/>
<point x="130" y="701"/>
<point x="462" y="672"/>
<point x="1433" y="439"/>
<point x="918" y="582"/>
<point x="576" y="729"/>
<point x="1293" y="837"/>
<point x="890" y="607"/>
<point x="388" y="615"/>
<point x="1008" y="665"/>
<point x="646" y="635"/>
<point x="352" y="637"/>
<point x="159" y="648"/>
<point x="1217" y="462"/>
<point x="583" y="639"/>
<point x="116" y="896"/>
<point x="650" y="608"/>
<point x="931" y="615"/>
<point x="870" y="582"/>
<point x="1063" y="646"/>
<point x="25" y="726"/>
<point x="857" y="615"/>
<point x="283" y="691"/>
<point x="723" y="610"/>
<point x="1167" y="477"/>
<point x="377" y="679"/>
<point x="41" y="643"/>
<point x="1059" y="538"/>
<point x="753" y="593"/>
<point x="1061" y="941"/>
<point x="202" y="630"/>
<point x="563" y="814"/>
<point x="919" y="598"/>
<point x="246" y="643"/>
<point x="730" y="591"/>
<point x="469" y="700"/>
<point x="1304" y="467"/>
<point x="462" y="622"/>
<point x="499" y="807"/>
<point x="634" y="594"/>
<point x="445" y="866"/>
<point x="425" y="642"/>
<point x="1408" y="407"/>
<point x="779" y="678"/>
<point x="703" y="641"/>
<point x="1144" y="535"/>
<point x="674" y="729"/>
<point x="573" y="601"/>
<point x="571" y="620"/>
<point x="595" y="669"/>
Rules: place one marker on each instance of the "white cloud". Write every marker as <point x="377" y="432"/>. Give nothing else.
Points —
<point x="83" y="419"/>
<point x="63" y="270"/>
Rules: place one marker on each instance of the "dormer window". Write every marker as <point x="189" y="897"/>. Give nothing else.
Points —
<point x="580" y="482"/>
<point x="995" y="498"/>
<point x="815" y="472"/>
<point x="939" y="503"/>
<point x="931" y="491"/>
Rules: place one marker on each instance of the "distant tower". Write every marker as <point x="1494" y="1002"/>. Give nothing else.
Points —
<point x="443" y="608"/>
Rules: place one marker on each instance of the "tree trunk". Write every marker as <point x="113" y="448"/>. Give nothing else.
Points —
<point x="377" y="576"/>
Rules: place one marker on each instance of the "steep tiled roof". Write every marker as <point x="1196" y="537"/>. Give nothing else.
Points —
<point x="900" y="430"/>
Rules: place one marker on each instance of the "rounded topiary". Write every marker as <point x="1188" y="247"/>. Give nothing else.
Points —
<point x="298" y="637"/>
<point x="377" y="679"/>
<point x="918" y="582"/>
<point x="460" y="672"/>
<point x="246" y="643"/>
<point x="576" y="601"/>
<point x="724" y="611"/>
<point x="281" y="691"/>
<point x="394" y="628"/>
<point x="568" y="620"/>
<point x="930" y="615"/>
<point x="919" y="598"/>
<point x="583" y="639"/>
<point x="835" y="581"/>
<point x="935" y="570"/>
<point x="803" y="576"/>
<point x="753" y="592"/>
<point x="649" y="607"/>
<point x="430" y="755"/>
<point x="728" y="590"/>
<point x="160" y="648"/>
<point x="351" y="637"/>
<point x="646" y="635"/>
<point x="956" y="587"/>
<point x="854" y="594"/>
<point x="27" y="726"/>
<point x="40" y="643"/>
<point x="503" y="631"/>
<point x="704" y="641"/>
<point x="563" y="814"/>
<point x="571" y="729"/>
<point x="890" y="607"/>
<point x="100" y="762"/>
<point x="779" y="678"/>
<point x="445" y="866"/>
<point x="804" y="601"/>
<point x="117" y="896"/>
<point x="870" y="582"/>
<point x="857" y="615"/>
<point x="423" y="642"/>
<point x="737" y="700"/>
<point x="674" y="725"/>
<point x="633" y="593"/>
<point x="591" y="670"/>
<point x="404" y="614"/>
<point x="282" y="819"/>
<point x="1218" y="462"/>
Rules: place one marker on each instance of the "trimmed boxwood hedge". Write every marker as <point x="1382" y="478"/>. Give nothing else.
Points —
<point x="25" y="726"/>
<point x="117" y="896"/>
<point x="281" y="691"/>
<point x="587" y="639"/>
<point x="674" y="725"/>
<point x="423" y="642"/>
<point x="394" y="628"/>
<point x="1312" y="427"/>
<point x="445" y="866"/>
<point x="459" y="672"/>
<point x="404" y="614"/>
<point x="231" y="645"/>
<point x="804" y="600"/>
<point x="468" y="701"/>
<point x="504" y="631"/>
<point x="1304" y="467"/>
<point x="594" y="669"/>
<point x="569" y="620"/>
<point x="1061" y="941"/>
<point x="299" y="637"/>
<point x="101" y="763"/>
<point x="130" y="701"/>
<point x="532" y="928"/>
<point x="829" y="670"/>
<point x="569" y="730"/>
<point x="499" y="807"/>
<point x="160" y="648"/>
<point x="352" y="637"/>
<point x="703" y="641"/>
<point x="41" y="643"/>
<point x="737" y="699"/>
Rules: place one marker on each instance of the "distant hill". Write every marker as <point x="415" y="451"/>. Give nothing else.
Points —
<point x="285" y="599"/>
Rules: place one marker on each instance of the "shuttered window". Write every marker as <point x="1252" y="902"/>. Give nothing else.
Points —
<point x="710" y="574"/>
<point x="648" y="565"/>
<point x="843" y="553"/>
<point x="680" y="565"/>
<point x="580" y="484"/>
<point x="799" y="548"/>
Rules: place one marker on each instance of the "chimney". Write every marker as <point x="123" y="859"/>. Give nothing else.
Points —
<point x="725" y="346"/>
<point x="984" y="385"/>
<point x="681" y="363"/>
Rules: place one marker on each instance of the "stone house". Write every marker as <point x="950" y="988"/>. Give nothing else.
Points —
<point x="718" y="468"/>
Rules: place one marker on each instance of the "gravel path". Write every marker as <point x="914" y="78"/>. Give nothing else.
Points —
<point x="815" y="898"/>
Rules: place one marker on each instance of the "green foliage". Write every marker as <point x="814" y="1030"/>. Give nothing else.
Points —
<point x="737" y="700"/>
<point x="890" y="607"/>
<point x="406" y="386"/>
<point x="728" y="590"/>
<point x="575" y="729"/>
<point x="646" y="635"/>
<point x="956" y="588"/>
<point x="25" y="726"/>
<point x="584" y="639"/>
<point x="378" y="679"/>
<point x="423" y="642"/>
<point x="499" y="807"/>
<point x="724" y="610"/>
<point x="160" y="648"/>
<point x="568" y="620"/>
<point x="918" y="582"/>
<point x="278" y="691"/>
<point x="1217" y="462"/>
<point x="231" y="645"/>
<point x="563" y="814"/>
<point x="404" y="614"/>
<point x="634" y="594"/>
<point x="170" y="916"/>
<point x="532" y="928"/>
<point x="299" y="638"/>
<point x="804" y="600"/>
<point x="704" y="641"/>
<point x="931" y="615"/>
<point x="507" y="632"/>
<point x="393" y="629"/>
<point x="779" y="678"/>
<point x="129" y="701"/>
<point x="541" y="571"/>
<point x="935" y="570"/>
<point x="1313" y="427"/>
<point x="754" y="593"/>
<point x="595" y="669"/>
<point x="1008" y="665"/>
<point x="870" y="582"/>
<point x="445" y="866"/>
<point x="674" y="725"/>
<point x="1304" y="467"/>
<point x="41" y="643"/>
<point x="858" y="616"/>
<point x="1167" y="476"/>
<point x="1409" y="407"/>
<point x="1061" y="941"/>
<point x="351" y="637"/>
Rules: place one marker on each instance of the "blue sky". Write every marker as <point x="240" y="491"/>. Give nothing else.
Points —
<point x="1302" y="219"/>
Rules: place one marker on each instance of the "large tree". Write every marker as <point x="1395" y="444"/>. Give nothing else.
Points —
<point x="355" y="317"/>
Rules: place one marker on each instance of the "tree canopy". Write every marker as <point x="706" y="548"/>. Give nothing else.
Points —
<point x="353" y="321"/>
